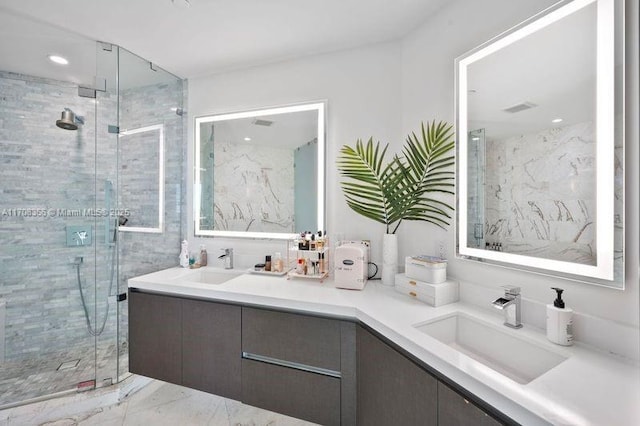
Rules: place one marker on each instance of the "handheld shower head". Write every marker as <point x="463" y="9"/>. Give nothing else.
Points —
<point x="69" y="120"/>
<point x="122" y="220"/>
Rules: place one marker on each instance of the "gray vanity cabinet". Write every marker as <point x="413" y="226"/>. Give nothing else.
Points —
<point x="392" y="390"/>
<point x="211" y="343"/>
<point x="304" y="395"/>
<point x="324" y="370"/>
<point x="187" y="342"/>
<point x="455" y="410"/>
<point x="294" y="338"/>
<point x="299" y="365"/>
<point x="155" y="336"/>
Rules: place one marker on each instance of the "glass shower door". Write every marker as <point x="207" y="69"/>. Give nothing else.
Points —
<point x="48" y="253"/>
<point x="106" y="185"/>
<point x="58" y="325"/>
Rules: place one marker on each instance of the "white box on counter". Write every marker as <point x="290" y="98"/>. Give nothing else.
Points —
<point x="428" y="269"/>
<point x="431" y="294"/>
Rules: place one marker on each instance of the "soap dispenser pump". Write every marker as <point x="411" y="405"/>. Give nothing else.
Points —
<point x="559" y="321"/>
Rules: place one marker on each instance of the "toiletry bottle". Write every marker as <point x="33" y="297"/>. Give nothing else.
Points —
<point x="322" y="267"/>
<point x="267" y="263"/>
<point x="300" y="267"/>
<point x="203" y="255"/>
<point x="319" y="241"/>
<point x="302" y="242"/>
<point x="312" y="242"/>
<point x="278" y="264"/>
<point x="184" y="254"/>
<point x="559" y="321"/>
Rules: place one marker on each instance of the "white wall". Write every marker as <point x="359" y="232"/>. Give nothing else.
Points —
<point x="362" y="88"/>
<point x="428" y="55"/>
<point x="385" y="91"/>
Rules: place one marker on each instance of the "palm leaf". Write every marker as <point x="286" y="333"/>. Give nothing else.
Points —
<point x="369" y="193"/>
<point x="402" y="189"/>
<point x="428" y="158"/>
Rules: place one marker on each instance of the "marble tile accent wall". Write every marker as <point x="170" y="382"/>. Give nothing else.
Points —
<point x="539" y="193"/>
<point x="254" y="188"/>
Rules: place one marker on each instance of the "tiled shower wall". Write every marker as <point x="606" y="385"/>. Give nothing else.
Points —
<point x="45" y="167"/>
<point x="141" y="253"/>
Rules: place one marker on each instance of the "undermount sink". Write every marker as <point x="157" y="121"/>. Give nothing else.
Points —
<point x="209" y="275"/>
<point x="514" y="357"/>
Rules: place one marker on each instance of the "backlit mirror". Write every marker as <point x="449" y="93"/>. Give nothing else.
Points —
<point x="540" y="163"/>
<point x="260" y="173"/>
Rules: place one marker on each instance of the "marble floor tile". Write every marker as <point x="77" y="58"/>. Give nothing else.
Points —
<point x="245" y="415"/>
<point x="144" y="402"/>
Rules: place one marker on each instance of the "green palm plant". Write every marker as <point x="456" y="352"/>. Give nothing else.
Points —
<point x="402" y="189"/>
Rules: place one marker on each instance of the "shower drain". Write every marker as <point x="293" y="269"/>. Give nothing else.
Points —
<point x="67" y="365"/>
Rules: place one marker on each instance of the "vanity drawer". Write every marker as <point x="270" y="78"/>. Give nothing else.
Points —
<point x="291" y="337"/>
<point x="308" y="396"/>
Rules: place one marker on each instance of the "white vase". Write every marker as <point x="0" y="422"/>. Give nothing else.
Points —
<point x="389" y="259"/>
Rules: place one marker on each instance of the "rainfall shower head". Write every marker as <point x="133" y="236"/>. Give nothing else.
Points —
<point x="69" y="120"/>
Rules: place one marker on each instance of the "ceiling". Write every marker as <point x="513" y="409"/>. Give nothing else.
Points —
<point x="287" y="131"/>
<point x="192" y="38"/>
<point x="553" y="68"/>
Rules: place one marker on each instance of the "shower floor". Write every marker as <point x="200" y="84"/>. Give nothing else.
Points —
<point x="51" y="373"/>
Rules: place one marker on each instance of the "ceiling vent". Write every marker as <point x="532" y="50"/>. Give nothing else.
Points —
<point x="520" y="107"/>
<point x="259" y="122"/>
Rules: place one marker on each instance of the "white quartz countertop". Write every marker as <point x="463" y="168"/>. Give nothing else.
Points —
<point x="589" y="388"/>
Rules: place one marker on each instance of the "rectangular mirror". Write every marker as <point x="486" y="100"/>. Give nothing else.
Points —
<point x="540" y="147"/>
<point x="141" y="165"/>
<point x="260" y="173"/>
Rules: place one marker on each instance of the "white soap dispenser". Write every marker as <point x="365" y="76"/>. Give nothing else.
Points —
<point x="184" y="254"/>
<point x="559" y="321"/>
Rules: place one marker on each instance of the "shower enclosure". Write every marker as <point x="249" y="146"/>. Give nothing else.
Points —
<point x="477" y="227"/>
<point x="91" y="191"/>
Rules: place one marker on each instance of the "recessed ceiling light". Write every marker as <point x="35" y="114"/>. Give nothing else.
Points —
<point x="475" y="139"/>
<point x="247" y="139"/>
<point x="556" y="120"/>
<point x="58" y="60"/>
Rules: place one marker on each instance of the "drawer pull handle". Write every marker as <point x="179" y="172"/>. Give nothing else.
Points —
<point x="411" y="293"/>
<point x="290" y="364"/>
<point x="413" y="283"/>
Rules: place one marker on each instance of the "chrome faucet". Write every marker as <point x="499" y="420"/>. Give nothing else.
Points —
<point x="510" y="303"/>
<point x="228" y="258"/>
